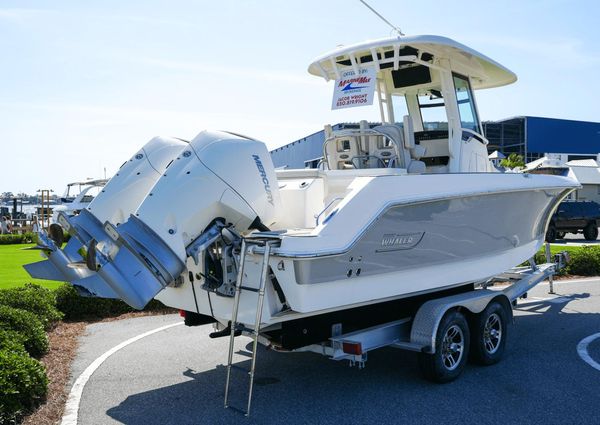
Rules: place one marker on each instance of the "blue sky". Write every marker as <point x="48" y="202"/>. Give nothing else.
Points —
<point x="85" y="84"/>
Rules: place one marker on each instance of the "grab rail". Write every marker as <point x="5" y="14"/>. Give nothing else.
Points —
<point x="338" y="198"/>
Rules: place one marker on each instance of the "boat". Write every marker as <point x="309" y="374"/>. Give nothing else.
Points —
<point x="77" y="196"/>
<point x="408" y="209"/>
<point x="549" y="164"/>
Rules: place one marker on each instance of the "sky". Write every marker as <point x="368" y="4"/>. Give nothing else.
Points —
<point x="85" y="84"/>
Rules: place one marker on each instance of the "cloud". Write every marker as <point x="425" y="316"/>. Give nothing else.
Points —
<point x="237" y="72"/>
<point x="20" y="14"/>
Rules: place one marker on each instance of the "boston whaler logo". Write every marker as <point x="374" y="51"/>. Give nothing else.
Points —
<point x="265" y="180"/>
<point x="395" y="242"/>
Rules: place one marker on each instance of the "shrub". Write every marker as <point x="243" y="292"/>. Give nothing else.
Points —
<point x="12" y="341"/>
<point x="23" y="384"/>
<point x="28" y="325"/>
<point x="35" y="299"/>
<point x="14" y="239"/>
<point x="76" y="307"/>
<point x="585" y="262"/>
<point x="28" y="237"/>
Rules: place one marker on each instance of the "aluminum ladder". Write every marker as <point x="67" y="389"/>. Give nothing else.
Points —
<point x="235" y="327"/>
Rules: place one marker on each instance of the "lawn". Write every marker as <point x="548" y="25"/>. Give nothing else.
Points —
<point x="12" y="258"/>
<point x="555" y="249"/>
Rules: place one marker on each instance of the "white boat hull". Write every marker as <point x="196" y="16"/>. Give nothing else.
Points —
<point x="396" y="245"/>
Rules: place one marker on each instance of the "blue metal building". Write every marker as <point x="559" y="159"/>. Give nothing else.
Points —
<point x="530" y="137"/>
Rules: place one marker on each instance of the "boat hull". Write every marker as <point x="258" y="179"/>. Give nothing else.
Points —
<point x="412" y="245"/>
<point x="416" y="247"/>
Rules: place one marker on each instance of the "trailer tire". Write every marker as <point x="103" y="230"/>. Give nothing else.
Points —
<point x="451" y="352"/>
<point x="551" y="234"/>
<point x="590" y="232"/>
<point x="489" y="331"/>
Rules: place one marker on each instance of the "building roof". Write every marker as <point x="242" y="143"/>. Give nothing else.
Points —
<point x="583" y="163"/>
<point x="585" y="170"/>
<point x="548" y="161"/>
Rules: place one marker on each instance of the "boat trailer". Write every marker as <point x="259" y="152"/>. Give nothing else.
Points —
<point x="444" y="331"/>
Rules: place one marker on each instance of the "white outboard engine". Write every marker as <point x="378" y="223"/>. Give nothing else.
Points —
<point x="118" y="199"/>
<point x="221" y="180"/>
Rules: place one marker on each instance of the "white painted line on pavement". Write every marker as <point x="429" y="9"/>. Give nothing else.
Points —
<point x="583" y="351"/>
<point x="72" y="406"/>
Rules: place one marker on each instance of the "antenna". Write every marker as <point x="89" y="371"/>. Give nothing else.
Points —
<point x="394" y="28"/>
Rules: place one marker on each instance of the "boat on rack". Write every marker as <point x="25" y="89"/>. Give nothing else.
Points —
<point x="397" y="212"/>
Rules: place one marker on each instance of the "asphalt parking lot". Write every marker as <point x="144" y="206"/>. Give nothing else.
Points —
<point x="572" y="239"/>
<point x="177" y="376"/>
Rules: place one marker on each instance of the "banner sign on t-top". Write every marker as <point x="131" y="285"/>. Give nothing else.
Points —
<point x="354" y="90"/>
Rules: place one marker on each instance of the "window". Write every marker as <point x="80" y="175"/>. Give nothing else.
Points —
<point x="433" y="111"/>
<point x="466" y="107"/>
<point x="400" y="107"/>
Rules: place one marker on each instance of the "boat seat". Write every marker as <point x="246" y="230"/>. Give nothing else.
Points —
<point x="416" y="151"/>
<point x="410" y="151"/>
<point x="392" y="152"/>
<point x="416" y="167"/>
<point x="382" y="152"/>
<point x="341" y="151"/>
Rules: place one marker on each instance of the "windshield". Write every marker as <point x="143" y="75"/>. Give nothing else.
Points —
<point x="466" y="107"/>
<point x="433" y="111"/>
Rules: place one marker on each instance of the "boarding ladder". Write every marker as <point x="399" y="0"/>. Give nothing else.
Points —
<point x="254" y="244"/>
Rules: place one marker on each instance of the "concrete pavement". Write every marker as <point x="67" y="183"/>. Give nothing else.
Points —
<point x="177" y="376"/>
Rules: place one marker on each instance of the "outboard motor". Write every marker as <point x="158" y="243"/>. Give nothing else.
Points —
<point x="221" y="180"/>
<point x="118" y="199"/>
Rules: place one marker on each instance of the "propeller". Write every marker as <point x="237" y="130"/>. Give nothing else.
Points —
<point x="55" y="232"/>
<point x="90" y="258"/>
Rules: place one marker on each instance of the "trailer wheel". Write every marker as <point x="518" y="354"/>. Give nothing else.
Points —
<point x="551" y="234"/>
<point x="489" y="330"/>
<point x="452" y="346"/>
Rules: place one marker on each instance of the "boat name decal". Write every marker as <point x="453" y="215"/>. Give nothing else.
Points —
<point x="395" y="242"/>
<point x="265" y="180"/>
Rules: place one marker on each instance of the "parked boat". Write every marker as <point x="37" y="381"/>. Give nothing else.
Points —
<point x="77" y="196"/>
<point x="405" y="209"/>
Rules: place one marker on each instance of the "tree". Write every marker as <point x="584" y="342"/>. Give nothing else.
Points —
<point x="513" y="161"/>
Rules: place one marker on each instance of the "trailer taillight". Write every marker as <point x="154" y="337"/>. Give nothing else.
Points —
<point x="182" y="313"/>
<point x="354" y="348"/>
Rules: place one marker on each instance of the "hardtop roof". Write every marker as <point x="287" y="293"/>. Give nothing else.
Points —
<point x="484" y="72"/>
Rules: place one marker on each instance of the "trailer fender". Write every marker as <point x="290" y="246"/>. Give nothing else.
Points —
<point x="428" y="317"/>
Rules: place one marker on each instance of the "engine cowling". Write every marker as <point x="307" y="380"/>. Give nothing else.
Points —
<point x="120" y="197"/>
<point x="221" y="176"/>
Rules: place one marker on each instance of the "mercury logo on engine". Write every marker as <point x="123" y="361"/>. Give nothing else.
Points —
<point x="265" y="180"/>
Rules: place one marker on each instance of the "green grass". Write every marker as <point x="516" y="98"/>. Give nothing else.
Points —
<point x="555" y="249"/>
<point x="12" y="273"/>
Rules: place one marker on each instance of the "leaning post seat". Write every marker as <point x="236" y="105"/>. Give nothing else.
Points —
<point x="380" y="147"/>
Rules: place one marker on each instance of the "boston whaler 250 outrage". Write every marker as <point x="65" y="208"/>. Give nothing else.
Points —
<point x="397" y="217"/>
